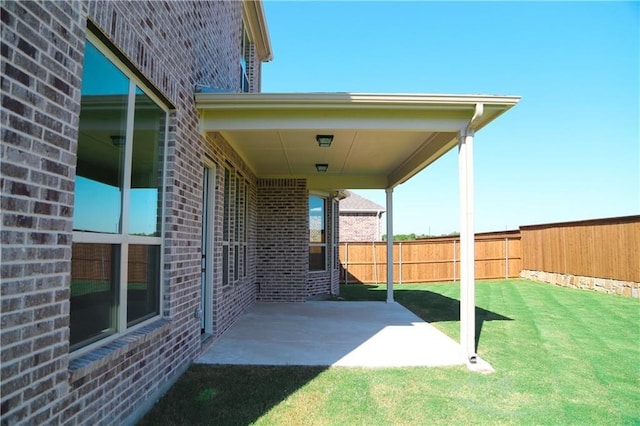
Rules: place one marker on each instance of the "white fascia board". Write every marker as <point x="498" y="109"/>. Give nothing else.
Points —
<point x="255" y="22"/>
<point x="275" y="100"/>
<point x="436" y="113"/>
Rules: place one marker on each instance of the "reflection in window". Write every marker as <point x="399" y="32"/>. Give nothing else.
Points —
<point x="142" y="291"/>
<point x="94" y="295"/>
<point x="317" y="234"/>
<point x="115" y="142"/>
<point x="146" y="173"/>
<point x="101" y="143"/>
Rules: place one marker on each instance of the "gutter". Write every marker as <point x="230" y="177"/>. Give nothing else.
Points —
<point x="471" y="126"/>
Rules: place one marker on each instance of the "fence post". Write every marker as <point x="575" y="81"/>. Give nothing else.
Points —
<point x="375" y="263"/>
<point x="454" y="260"/>
<point x="506" y="258"/>
<point x="400" y="261"/>
<point x="346" y="263"/>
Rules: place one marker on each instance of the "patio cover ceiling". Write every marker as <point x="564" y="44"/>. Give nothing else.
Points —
<point x="380" y="140"/>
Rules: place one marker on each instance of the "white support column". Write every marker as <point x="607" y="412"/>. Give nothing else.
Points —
<point x="389" y="192"/>
<point x="467" y="246"/>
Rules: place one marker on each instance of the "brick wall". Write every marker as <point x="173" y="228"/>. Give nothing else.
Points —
<point x="360" y="227"/>
<point x="42" y="51"/>
<point x="253" y="69"/>
<point x="174" y="45"/>
<point x="283" y="240"/>
<point x="233" y="300"/>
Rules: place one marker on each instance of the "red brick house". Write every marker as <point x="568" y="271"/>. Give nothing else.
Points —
<point x="360" y="219"/>
<point x="150" y="194"/>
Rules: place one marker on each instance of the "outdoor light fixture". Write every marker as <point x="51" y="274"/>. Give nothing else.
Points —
<point x="324" y="140"/>
<point x="322" y="167"/>
<point x="117" y="140"/>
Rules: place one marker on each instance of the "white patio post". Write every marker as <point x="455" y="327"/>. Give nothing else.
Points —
<point x="389" y="192"/>
<point x="467" y="252"/>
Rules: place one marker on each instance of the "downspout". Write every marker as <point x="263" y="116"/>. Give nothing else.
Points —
<point x="467" y="237"/>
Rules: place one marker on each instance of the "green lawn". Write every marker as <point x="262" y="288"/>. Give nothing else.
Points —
<point x="562" y="356"/>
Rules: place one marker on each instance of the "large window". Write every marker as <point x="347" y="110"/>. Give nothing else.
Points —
<point x="116" y="256"/>
<point x="317" y="234"/>
<point x="245" y="227"/>
<point x="235" y="226"/>
<point x="226" y="226"/>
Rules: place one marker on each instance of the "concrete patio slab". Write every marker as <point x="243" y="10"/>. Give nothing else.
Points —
<point x="328" y="333"/>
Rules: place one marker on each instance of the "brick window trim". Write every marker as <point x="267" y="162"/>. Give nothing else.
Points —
<point x="95" y="358"/>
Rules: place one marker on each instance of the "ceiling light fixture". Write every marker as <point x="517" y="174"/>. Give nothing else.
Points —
<point x="324" y="140"/>
<point x="322" y="167"/>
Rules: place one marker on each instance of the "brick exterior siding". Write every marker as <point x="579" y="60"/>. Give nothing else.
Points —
<point x="42" y="52"/>
<point x="283" y="240"/>
<point x="360" y="227"/>
<point x="174" y="45"/>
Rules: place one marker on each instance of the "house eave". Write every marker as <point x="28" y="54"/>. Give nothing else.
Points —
<point x="381" y="139"/>
<point x="256" y="24"/>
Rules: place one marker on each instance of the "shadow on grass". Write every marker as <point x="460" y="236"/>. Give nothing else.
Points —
<point x="242" y="394"/>
<point x="227" y="394"/>
<point x="430" y="306"/>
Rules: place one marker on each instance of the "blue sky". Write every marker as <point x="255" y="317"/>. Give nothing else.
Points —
<point x="570" y="150"/>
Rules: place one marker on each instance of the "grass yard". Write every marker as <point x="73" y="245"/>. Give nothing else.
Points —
<point x="562" y="356"/>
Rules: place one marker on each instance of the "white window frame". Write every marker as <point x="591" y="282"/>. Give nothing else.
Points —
<point x="335" y="222"/>
<point x="245" y="228"/>
<point x="326" y="198"/>
<point x="227" y="168"/>
<point x="123" y="239"/>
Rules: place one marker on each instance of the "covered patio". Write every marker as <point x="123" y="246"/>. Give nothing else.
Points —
<point x="328" y="333"/>
<point x="339" y="141"/>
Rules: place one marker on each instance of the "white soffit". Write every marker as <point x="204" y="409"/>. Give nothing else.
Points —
<point x="380" y="140"/>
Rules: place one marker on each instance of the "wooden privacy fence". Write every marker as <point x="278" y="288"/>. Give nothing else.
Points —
<point x="602" y="248"/>
<point x="498" y="255"/>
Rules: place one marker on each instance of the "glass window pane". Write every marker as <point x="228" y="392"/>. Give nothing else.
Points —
<point x="225" y="264"/>
<point x="146" y="171"/>
<point x="101" y="139"/>
<point x="245" y="217"/>
<point x="227" y="203"/>
<point x="236" y="264"/>
<point x="316" y="220"/>
<point x="244" y="261"/>
<point x="317" y="256"/>
<point x="94" y="294"/>
<point x="143" y="283"/>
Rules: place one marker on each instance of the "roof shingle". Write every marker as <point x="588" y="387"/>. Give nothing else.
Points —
<point x="354" y="202"/>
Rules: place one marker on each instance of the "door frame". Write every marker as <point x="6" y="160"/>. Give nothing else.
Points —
<point x="208" y="227"/>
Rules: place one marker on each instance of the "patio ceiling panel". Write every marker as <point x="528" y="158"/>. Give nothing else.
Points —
<point x="380" y="140"/>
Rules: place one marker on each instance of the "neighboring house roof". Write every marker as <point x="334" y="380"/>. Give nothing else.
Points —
<point x="355" y="203"/>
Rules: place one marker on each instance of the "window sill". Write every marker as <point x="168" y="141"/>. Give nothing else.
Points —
<point x="102" y="355"/>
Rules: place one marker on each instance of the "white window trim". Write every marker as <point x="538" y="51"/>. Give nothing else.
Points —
<point x="325" y="196"/>
<point x="123" y="239"/>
